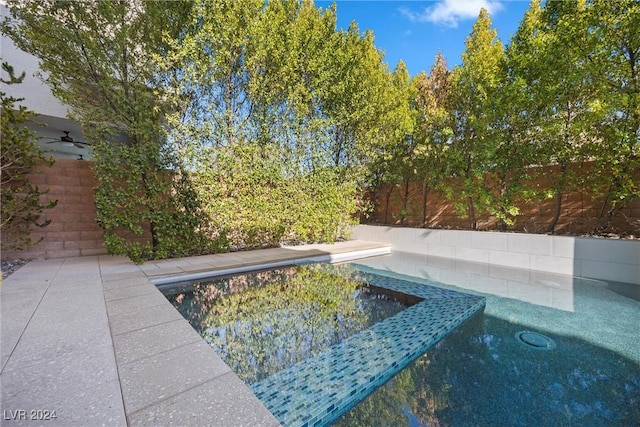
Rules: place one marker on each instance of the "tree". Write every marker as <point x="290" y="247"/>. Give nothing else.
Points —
<point x="20" y="205"/>
<point x="101" y="58"/>
<point x="361" y="101"/>
<point x="574" y="65"/>
<point x="472" y="147"/>
<point x="611" y="57"/>
<point x="562" y="88"/>
<point x="434" y="127"/>
<point x="392" y="151"/>
<point x="285" y="120"/>
<point x="406" y="144"/>
<point x="514" y="122"/>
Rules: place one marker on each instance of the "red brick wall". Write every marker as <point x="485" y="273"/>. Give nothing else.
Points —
<point x="580" y="212"/>
<point x="73" y="230"/>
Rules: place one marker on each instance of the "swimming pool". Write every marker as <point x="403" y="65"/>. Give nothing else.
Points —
<point x="313" y="341"/>
<point x="481" y="374"/>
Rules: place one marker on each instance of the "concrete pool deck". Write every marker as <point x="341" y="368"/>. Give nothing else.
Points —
<point x="91" y="341"/>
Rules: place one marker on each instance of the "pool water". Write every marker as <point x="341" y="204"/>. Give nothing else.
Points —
<point x="480" y="374"/>
<point x="312" y="341"/>
<point x="263" y="322"/>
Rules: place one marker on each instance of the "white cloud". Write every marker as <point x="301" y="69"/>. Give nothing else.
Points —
<point x="450" y="12"/>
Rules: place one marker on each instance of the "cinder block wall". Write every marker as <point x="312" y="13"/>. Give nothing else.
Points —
<point x="73" y="230"/>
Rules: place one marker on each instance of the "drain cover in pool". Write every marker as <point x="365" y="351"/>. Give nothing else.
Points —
<point x="535" y="340"/>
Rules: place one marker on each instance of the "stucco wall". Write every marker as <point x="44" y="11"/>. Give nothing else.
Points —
<point x="37" y="96"/>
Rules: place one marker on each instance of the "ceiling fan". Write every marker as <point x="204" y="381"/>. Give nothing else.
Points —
<point x="67" y="140"/>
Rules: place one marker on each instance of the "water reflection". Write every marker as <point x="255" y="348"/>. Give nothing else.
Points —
<point x="479" y="375"/>
<point x="261" y="323"/>
<point x="534" y="287"/>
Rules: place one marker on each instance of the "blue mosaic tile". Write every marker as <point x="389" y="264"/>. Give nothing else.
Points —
<point x="319" y="390"/>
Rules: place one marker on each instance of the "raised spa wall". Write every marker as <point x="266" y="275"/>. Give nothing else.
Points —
<point x="594" y="258"/>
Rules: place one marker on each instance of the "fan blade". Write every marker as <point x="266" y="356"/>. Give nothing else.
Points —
<point x="66" y="139"/>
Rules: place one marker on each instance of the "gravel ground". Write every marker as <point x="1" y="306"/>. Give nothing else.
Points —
<point x="10" y="267"/>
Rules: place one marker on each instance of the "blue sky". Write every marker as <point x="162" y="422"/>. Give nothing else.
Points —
<point x="415" y="31"/>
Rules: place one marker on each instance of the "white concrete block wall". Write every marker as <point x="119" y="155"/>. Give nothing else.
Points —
<point x="605" y="259"/>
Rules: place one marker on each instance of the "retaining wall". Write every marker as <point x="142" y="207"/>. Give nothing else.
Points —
<point x="604" y="259"/>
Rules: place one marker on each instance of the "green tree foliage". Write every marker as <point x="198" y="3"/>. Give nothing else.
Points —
<point x="513" y="112"/>
<point x="611" y="56"/>
<point x="242" y="121"/>
<point x="371" y="103"/>
<point x="282" y="116"/>
<point x="405" y="144"/>
<point x="392" y="150"/>
<point x="570" y="96"/>
<point x="20" y="206"/>
<point x="100" y="59"/>
<point x="433" y="128"/>
<point x="573" y="78"/>
<point x="564" y="93"/>
<point x="223" y="124"/>
<point x="473" y="144"/>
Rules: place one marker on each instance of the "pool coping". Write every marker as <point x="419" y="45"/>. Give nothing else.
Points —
<point x="93" y="339"/>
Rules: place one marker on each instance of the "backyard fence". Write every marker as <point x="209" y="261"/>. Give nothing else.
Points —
<point x="580" y="212"/>
<point x="74" y="231"/>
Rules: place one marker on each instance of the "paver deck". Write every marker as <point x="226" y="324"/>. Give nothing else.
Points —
<point x="92" y="341"/>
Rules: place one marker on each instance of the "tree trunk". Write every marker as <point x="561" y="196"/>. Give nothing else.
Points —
<point x="502" y="224"/>
<point x="155" y="241"/>
<point x="611" y="213"/>
<point x="557" y="206"/>
<point x="603" y="221"/>
<point x="425" y="193"/>
<point x="375" y="195"/>
<point x="473" y="223"/>
<point x="338" y="139"/>
<point x="386" y="205"/>
<point x="405" y="201"/>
